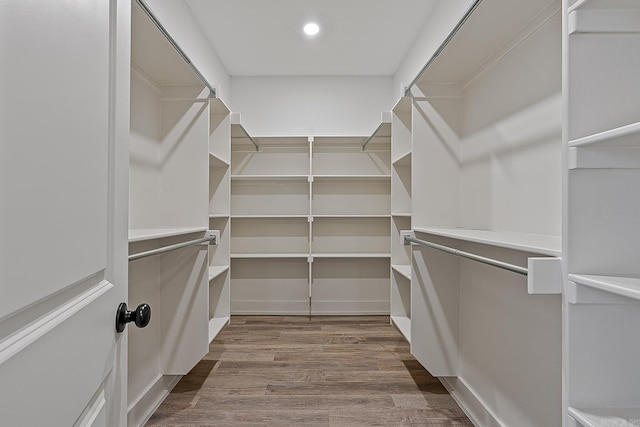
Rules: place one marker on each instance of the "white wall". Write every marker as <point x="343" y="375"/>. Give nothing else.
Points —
<point x="319" y="105"/>
<point x="443" y="18"/>
<point x="178" y="20"/>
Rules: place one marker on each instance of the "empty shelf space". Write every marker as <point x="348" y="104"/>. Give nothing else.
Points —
<point x="628" y="135"/>
<point x="404" y="270"/>
<point x="403" y="160"/>
<point x="624" y="286"/>
<point x="270" y="177"/>
<point x="218" y="161"/>
<point x="217" y="270"/>
<point x="142" y="234"/>
<point x="535" y="243"/>
<point x="219" y="215"/>
<point x="216" y="325"/>
<point x="403" y="324"/>
<point x="352" y="255"/>
<point x="269" y="255"/>
<point x="606" y="417"/>
<point x="403" y="214"/>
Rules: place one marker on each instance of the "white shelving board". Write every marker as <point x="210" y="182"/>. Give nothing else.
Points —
<point x="380" y="177"/>
<point x="403" y="214"/>
<point x="217" y="270"/>
<point x="351" y="216"/>
<point x="219" y="215"/>
<point x="403" y="160"/>
<point x="404" y="326"/>
<point x="351" y="255"/>
<point x="404" y="270"/>
<point x="216" y="325"/>
<point x="270" y="177"/>
<point x="628" y="135"/>
<point x="535" y="243"/>
<point x="268" y="255"/>
<point x="217" y="159"/>
<point x="268" y="216"/>
<point x="606" y="417"/>
<point x="139" y="235"/>
<point x="624" y="286"/>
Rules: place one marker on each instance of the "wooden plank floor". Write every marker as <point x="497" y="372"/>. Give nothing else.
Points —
<point x="301" y="371"/>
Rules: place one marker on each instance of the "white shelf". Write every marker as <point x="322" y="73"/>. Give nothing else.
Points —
<point x="354" y="177"/>
<point x="628" y="135"/>
<point x="219" y="215"/>
<point x="268" y="216"/>
<point x="352" y="216"/>
<point x="404" y="326"/>
<point x="403" y="160"/>
<point x="142" y="234"/>
<point x="270" y="177"/>
<point x="604" y="4"/>
<point x="216" y="325"/>
<point x="403" y="214"/>
<point x="535" y="243"/>
<point x="267" y="255"/>
<point x="625" y="286"/>
<point x="219" y="160"/>
<point x="351" y="255"/>
<point x="606" y="417"/>
<point x="405" y="270"/>
<point x="217" y="270"/>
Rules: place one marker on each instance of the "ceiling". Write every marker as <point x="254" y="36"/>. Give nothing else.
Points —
<point x="357" y="37"/>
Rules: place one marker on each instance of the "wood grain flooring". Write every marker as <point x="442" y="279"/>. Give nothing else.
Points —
<point x="301" y="371"/>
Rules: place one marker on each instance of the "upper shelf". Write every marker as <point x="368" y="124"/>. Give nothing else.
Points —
<point x="605" y="4"/>
<point x="606" y="417"/>
<point x="354" y="177"/>
<point x="142" y="234"/>
<point x="270" y="177"/>
<point x="625" y="136"/>
<point x="494" y="28"/>
<point x="535" y="243"/>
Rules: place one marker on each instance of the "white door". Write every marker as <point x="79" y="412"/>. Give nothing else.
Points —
<point x="63" y="211"/>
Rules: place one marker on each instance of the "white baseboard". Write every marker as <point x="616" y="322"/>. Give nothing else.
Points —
<point x="143" y="408"/>
<point x="477" y="411"/>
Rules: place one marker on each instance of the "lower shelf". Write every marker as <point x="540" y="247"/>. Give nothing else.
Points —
<point x="216" y="325"/>
<point x="404" y="326"/>
<point x="352" y="255"/>
<point x="606" y="417"/>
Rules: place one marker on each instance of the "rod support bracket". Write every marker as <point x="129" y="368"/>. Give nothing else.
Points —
<point x="214" y="236"/>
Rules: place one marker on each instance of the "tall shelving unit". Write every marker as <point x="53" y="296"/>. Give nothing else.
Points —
<point x="310" y="220"/>
<point x="485" y="161"/>
<point x="219" y="216"/>
<point x="602" y="229"/>
<point x="178" y="190"/>
<point x="401" y="156"/>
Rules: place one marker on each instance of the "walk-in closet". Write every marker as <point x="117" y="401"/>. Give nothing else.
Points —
<point x="425" y="217"/>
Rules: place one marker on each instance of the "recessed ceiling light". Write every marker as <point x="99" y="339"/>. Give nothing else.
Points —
<point x="311" y="29"/>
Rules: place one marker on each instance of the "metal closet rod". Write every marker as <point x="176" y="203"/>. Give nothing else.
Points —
<point x="490" y="261"/>
<point x="407" y="91"/>
<point x="173" y="43"/>
<point x="372" y="135"/>
<point x="210" y="239"/>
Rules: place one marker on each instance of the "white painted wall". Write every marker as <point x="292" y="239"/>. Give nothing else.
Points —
<point x="319" y="105"/>
<point x="178" y="20"/>
<point x="443" y="18"/>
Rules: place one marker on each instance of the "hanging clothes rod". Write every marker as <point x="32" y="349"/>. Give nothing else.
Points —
<point x="490" y="261"/>
<point x="211" y="239"/>
<point x="173" y="43"/>
<point x="468" y="13"/>
<point x="249" y="137"/>
<point x="372" y="135"/>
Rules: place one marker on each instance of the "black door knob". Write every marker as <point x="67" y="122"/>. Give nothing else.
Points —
<point x="141" y="316"/>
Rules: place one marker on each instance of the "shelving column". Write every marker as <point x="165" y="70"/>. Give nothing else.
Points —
<point x="401" y="156"/>
<point x="602" y="225"/>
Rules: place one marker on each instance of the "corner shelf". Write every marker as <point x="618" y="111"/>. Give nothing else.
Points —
<point x="624" y="286"/>
<point x="606" y="417"/>
<point x="535" y="243"/>
<point x="142" y="234"/>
